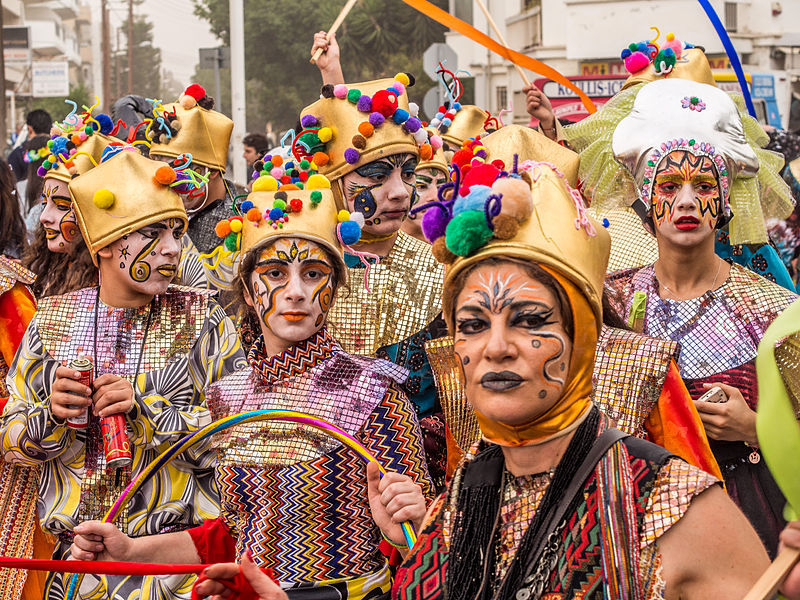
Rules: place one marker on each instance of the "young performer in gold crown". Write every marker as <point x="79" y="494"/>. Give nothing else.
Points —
<point x="151" y="349"/>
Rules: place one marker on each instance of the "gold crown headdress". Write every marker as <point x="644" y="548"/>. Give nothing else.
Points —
<point x="191" y="127"/>
<point x="352" y="125"/>
<point x="124" y="193"/>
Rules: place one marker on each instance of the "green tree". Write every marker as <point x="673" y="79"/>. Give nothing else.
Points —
<point x="378" y="39"/>
<point x="146" y="61"/>
<point x="59" y="109"/>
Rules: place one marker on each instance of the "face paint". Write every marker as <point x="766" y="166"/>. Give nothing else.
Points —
<point x="57" y="218"/>
<point x="686" y="195"/>
<point x="511" y="342"/>
<point x="196" y="198"/>
<point x="147" y="259"/>
<point x="382" y="191"/>
<point x="292" y="288"/>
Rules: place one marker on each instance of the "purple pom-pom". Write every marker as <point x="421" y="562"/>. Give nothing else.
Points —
<point x="351" y="155"/>
<point x="364" y="103"/>
<point x="376" y="119"/>
<point x="307" y="121"/>
<point x="434" y="223"/>
<point x="41" y="171"/>
<point x="413" y="124"/>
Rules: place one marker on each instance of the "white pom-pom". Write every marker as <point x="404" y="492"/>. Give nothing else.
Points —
<point x="420" y="135"/>
<point x="413" y="109"/>
<point x="358" y="218"/>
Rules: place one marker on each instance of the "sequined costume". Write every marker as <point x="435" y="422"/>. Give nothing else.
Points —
<point x="183" y="342"/>
<point x="654" y="488"/>
<point x="20" y="535"/>
<point x="294" y="497"/>
<point x="719" y="333"/>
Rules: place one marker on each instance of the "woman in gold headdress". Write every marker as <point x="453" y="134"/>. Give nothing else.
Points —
<point x="554" y="502"/>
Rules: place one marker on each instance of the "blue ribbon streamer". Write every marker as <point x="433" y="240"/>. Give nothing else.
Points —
<point x="731" y="52"/>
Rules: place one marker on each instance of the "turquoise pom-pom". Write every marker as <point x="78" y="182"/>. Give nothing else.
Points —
<point x="350" y="232"/>
<point x="475" y="200"/>
<point x="467" y="232"/>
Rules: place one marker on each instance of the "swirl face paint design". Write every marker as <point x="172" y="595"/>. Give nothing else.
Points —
<point x="511" y="343"/>
<point x="149" y="256"/>
<point x="292" y="288"/>
<point x="382" y="191"/>
<point x="678" y="170"/>
<point x="58" y="219"/>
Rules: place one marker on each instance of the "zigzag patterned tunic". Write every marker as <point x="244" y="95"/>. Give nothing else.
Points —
<point x="296" y="498"/>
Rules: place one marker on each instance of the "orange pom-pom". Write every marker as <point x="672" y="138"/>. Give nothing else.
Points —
<point x="288" y="187"/>
<point x="254" y="215"/>
<point x="425" y="151"/>
<point x="321" y="159"/>
<point x="277" y="160"/>
<point x="76" y="139"/>
<point x="222" y="229"/>
<point x="165" y="175"/>
<point x="366" y="129"/>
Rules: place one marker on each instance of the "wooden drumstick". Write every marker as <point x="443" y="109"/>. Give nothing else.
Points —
<point x="773" y="577"/>
<point x="501" y="39"/>
<point x="339" y="20"/>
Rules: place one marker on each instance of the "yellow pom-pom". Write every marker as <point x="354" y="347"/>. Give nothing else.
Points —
<point x="103" y="199"/>
<point x="670" y="36"/>
<point x="236" y="225"/>
<point x="402" y="78"/>
<point x="325" y="135"/>
<point x="317" y="182"/>
<point x="343" y="216"/>
<point x="265" y="183"/>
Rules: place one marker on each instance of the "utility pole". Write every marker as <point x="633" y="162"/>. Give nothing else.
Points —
<point x="3" y="130"/>
<point x="236" y="13"/>
<point x="106" y="51"/>
<point x="130" y="46"/>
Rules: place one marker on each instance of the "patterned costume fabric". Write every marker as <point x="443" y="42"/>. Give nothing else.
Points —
<point x="396" y="316"/>
<point x="296" y="498"/>
<point x="214" y="271"/>
<point x="719" y="334"/>
<point x="19" y="532"/>
<point x="762" y="259"/>
<point x="655" y="487"/>
<point x="184" y="342"/>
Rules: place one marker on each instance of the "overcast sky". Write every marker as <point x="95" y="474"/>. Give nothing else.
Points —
<point x="176" y="31"/>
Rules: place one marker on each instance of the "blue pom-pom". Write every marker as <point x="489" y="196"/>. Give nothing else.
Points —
<point x="59" y="146"/>
<point x="447" y="122"/>
<point x="247" y="205"/>
<point x="606" y="223"/>
<point x="394" y="90"/>
<point x="350" y="232"/>
<point x="625" y="53"/>
<point x="456" y="105"/>
<point x="275" y="214"/>
<point x="106" y="124"/>
<point x="439" y="115"/>
<point x="475" y="200"/>
<point x="400" y="116"/>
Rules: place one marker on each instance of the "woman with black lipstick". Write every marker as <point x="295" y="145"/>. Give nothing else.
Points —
<point x="554" y="502"/>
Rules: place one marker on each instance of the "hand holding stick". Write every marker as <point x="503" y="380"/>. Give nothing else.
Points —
<point x="502" y="40"/>
<point x="339" y="20"/>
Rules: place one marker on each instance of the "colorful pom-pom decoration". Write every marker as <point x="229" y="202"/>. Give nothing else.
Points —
<point x="384" y="102"/>
<point x="325" y="135"/>
<point x="232" y="242"/>
<point x="403" y="78"/>
<point x="307" y="121"/>
<point x="359" y="141"/>
<point x="316" y="198"/>
<point x="103" y="199"/>
<point x="317" y="182"/>
<point x="165" y="175"/>
<point x="247" y="205"/>
<point x="467" y="232"/>
<point x="196" y="91"/>
<point x="366" y="129"/>
<point x="340" y="90"/>
<point x="320" y="159"/>
<point x="343" y="215"/>
<point x="434" y="223"/>
<point x="236" y="224"/>
<point x="265" y="183"/>
<point x="350" y="232"/>
<point x="253" y="214"/>
<point x="223" y="228"/>
<point x="351" y="156"/>
<point x="296" y="204"/>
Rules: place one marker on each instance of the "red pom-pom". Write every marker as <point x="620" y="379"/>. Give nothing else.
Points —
<point x="461" y="158"/>
<point x="196" y="91"/>
<point x="384" y="102"/>
<point x="480" y="175"/>
<point x="296" y="204"/>
<point x="303" y="176"/>
<point x="286" y="179"/>
<point x="499" y="164"/>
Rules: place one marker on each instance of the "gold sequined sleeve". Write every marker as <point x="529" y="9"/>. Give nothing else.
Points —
<point x="29" y="430"/>
<point x="392" y="435"/>
<point x="676" y="485"/>
<point x="156" y="420"/>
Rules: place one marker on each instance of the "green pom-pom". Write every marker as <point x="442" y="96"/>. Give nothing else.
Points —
<point x="467" y="232"/>
<point x="265" y="172"/>
<point x="691" y="142"/>
<point x="50" y="143"/>
<point x="353" y="95"/>
<point x="312" y="142"/>
<point x="278" y="203"/>
<point x="232" y="242"/>
<point x="89" y="130"/>
<point x="299" y="184"/>
<point x="268" y="166"/>
<point x="47" y="164"/>
<point x="304" y="164"/>
<point x="316" y="197"/>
